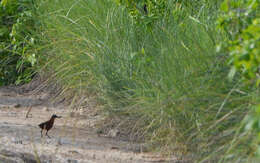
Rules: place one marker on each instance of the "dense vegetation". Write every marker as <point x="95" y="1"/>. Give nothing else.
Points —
<point x="154" y="67"/>
<point x="16" y="28"/>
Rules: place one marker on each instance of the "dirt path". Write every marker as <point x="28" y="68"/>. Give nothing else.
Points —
<point x="73" y="138"/>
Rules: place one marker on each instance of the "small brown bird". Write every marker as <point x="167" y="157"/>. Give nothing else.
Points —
<point x="48" y="124"/>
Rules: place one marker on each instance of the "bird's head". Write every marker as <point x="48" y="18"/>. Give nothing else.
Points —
<point x="55" y="116"/>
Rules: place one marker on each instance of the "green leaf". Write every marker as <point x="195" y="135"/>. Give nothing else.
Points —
<point x="225" y="6"/>
<point x="258" y="82"/>
<point x="4" y="2"/>
<point x="232" y="73"/>
<point x="32" y="59"/>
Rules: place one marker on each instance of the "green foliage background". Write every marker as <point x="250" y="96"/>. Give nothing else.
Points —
<point x="240" y="20"/>
<point x="16" y="27"/>
<point x="157" y="75"/>
<point x="163" y="80"/>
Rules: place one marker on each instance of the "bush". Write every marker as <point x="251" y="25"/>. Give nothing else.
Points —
<point x="145" y="11"/>
<point x="240" y="21"/>
<point x="16" y="27"/>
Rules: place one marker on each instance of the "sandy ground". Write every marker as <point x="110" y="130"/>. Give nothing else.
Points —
<point x="73" y="139"/>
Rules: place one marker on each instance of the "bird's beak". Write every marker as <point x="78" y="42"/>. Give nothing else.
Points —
<point x="59" y="116"/>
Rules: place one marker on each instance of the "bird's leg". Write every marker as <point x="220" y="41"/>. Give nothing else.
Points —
<point x="47" y="134"/>
<point x="41" y="133"/>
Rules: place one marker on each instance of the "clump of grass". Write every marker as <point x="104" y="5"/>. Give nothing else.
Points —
<point x="166" y="80"/>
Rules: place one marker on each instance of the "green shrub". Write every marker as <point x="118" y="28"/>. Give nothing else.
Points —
<point x="145" y="11"/>
<point x="16" y="26"/>
<point x="240" y="21"/>
<point x="148" y="12"/>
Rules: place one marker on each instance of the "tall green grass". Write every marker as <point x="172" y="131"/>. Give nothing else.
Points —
<point x="165" y="83"/>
